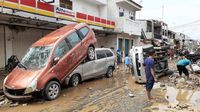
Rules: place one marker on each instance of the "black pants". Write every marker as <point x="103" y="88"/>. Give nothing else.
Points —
<point x="182" y="69"/>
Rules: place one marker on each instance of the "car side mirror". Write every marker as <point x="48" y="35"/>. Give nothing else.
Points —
<point x="55" y="60"/>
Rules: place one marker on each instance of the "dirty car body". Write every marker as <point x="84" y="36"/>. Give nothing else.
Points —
<point x="104" y="64"/>
<point x="49" y="61"/>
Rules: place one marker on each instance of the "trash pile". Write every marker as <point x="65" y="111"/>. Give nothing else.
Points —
<point x="181" y="107"/>
<point x="4" y="102"/>
<point x="184" y="83"/>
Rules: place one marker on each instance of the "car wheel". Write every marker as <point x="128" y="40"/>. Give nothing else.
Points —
<point x="52" y="90"/>
<point x="109" y="72"/>
<point x="91" y="53"/>
<point x="74" y="80"/>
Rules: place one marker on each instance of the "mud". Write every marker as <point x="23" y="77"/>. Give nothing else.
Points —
<point x="117" y="94"/>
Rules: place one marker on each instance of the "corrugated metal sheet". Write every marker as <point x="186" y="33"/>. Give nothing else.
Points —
<point x="23" y="40"/>
<point x="2" y="51"/>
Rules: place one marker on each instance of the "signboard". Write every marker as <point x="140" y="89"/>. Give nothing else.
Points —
<point x="65" y="11"/>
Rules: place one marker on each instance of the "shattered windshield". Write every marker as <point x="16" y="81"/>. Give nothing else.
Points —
<point x="36" y="57"/>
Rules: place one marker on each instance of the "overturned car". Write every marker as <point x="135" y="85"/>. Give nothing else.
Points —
<point x="138" y="55"/>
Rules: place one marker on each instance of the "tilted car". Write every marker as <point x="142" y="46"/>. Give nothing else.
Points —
<point x="49" y="61"/>
<point x="104" y="64"/>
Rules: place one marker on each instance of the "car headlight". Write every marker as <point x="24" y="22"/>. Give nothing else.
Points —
<point x="31" y="88"/>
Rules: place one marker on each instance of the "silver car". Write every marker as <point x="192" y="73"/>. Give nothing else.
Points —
<point x="104" y="64"/>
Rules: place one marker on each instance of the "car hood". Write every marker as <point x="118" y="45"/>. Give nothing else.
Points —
<point x="20" y="78"/>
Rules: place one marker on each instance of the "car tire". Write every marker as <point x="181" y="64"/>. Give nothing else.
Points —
<point x="109" y="72"/>
<point x="91" y="53"/>
<point x="52" y="90"/>
<point x="74" y="80"/>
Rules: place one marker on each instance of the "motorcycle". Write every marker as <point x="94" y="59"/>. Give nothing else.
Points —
<point x="12" y="63"/>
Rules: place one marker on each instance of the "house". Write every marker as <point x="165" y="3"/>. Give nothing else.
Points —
<point x="123" y="12"/>
<point x="153" y="30"/>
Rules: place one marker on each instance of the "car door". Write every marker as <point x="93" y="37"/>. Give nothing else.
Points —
<point x="83" y="32"/>
<point x="88" y="69"/>
<point x="63" y="66"/>
<point x="110" y="60"/>
<point x="100" y="62"/>
<point x="76" y="51"/>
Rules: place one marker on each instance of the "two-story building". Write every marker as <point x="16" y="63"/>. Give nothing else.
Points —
<point x="153" y="30"/>
<point x="123" y="12"/>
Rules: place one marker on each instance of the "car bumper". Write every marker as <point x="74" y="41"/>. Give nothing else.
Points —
<point x="17" y="98"/>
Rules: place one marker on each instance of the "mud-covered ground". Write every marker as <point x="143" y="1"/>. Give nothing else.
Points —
<point x="118" y="94"/>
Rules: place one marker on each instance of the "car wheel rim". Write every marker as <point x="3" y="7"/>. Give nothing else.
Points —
<point x="53" y="91"/>
<point x="91" y="53"/>
<point x="76" y="80"/>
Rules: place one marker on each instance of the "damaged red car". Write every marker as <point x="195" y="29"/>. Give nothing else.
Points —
<point x="49" y="61"/>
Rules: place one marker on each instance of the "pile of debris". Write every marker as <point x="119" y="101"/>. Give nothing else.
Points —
<point x="181" y="107"/>
<point x="183" y="82"/>
<point x="6" y="102"/>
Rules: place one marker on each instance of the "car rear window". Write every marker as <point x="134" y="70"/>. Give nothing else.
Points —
<point x="109" y="53"/>
<point x="84" y="31"/>
<point x="100" y="54"/>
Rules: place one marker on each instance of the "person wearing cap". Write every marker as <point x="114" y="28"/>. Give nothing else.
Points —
<point x="149" y="70"/>
<point x="181" y="66"/>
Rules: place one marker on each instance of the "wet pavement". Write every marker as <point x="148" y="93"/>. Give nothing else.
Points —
<point x="119" y="94"/>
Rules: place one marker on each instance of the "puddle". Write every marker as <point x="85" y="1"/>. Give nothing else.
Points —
<point x="174" y="95"/>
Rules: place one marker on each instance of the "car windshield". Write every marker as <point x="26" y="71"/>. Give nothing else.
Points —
<point x="36" y="57"/>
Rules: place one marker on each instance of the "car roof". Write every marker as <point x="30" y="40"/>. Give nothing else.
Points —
<point x="52" y="37"/>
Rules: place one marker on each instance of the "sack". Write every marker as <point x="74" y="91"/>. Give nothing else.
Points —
<point x="196" y="68"/>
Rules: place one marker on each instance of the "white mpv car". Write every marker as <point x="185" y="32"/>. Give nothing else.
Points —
<point x="104" y="64"/>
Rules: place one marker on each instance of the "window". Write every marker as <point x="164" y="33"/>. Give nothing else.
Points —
<point x="66" y="4"/>
<point x="61" y="49"/>
<point x="121" y="14"/>
<point x="131" y="17"/>
<point x="108" y="53"/>
<point x="74" y="39"/>
<point x="100" y="54"/>
<point x="84" y="31"/>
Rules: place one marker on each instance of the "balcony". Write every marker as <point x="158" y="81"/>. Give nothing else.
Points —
<point x="129" y="4"/>
<point x="127" y="25"/>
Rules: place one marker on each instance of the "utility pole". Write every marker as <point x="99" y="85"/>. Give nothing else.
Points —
<point x="162" y="12"/>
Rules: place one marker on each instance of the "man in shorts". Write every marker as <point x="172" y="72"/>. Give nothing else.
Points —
<point x="149" y="70"/>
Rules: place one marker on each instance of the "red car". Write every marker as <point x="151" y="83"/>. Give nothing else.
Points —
<point x="49" y="61"/>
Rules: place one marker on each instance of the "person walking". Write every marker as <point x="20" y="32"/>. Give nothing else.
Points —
<point x="127" y="63"/>
<point x="149" y="70"/>
<point x="181" y="66"/>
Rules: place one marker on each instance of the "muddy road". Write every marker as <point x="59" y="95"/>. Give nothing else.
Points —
<point x="119" y="93"/>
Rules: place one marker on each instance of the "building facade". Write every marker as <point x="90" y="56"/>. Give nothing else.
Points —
<point x="22" y="22"/>
<point x="123" y="12"/>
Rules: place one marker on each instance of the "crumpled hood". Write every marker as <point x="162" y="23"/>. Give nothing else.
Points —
<point x="20" y="78"/>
